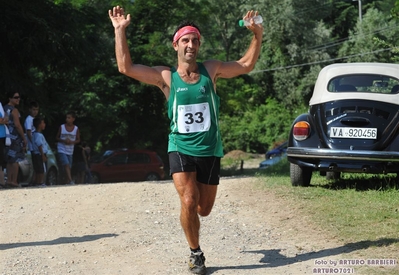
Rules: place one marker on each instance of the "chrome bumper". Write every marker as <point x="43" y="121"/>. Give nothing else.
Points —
<point x="315" y="153"/>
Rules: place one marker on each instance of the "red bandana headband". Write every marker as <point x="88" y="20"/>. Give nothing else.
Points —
<point x="186" y="30"/>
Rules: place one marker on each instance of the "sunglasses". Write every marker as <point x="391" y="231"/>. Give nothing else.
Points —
<point x="16" y="97"/>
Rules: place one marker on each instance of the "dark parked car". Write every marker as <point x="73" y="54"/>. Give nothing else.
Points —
<point x="278" y="151"/>
<point x="352" y="124"/>
<point x="127" y="165"/>
<point x="272" y="161"/>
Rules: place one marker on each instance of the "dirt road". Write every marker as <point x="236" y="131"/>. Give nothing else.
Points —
<point x="133" y="228"/>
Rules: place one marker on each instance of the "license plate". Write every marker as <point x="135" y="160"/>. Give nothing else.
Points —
<point x="350" y="132"/>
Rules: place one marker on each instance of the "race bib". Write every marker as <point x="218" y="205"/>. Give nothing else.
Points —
<point x="193" y="118"/>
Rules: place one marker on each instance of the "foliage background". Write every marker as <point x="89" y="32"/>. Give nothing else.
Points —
<point x="60" y="53"/>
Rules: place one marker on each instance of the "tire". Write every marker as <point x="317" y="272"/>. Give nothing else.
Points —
<point x="152" y="177"/>
<point x="95" y="178"/>
<point x="51" y="177"/>
<point x="300" y="176"/>
<point x="333" y="175"/>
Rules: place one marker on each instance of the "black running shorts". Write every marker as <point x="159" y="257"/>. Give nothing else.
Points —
<point x="38" y="164"/>
<point x="207" y="168"/>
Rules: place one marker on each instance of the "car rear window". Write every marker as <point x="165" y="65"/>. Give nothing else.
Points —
<point x="138" y="158"/>
<point x="365" y="83"/>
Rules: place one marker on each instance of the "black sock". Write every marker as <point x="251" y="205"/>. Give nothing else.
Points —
<point x="198" y="249"/>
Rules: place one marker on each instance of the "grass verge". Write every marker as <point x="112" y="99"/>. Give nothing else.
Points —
<point x="359" y="209"/>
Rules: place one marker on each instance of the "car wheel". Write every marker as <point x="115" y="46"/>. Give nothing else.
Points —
<point x="300" y="176"/>
<point x="152" y="177"/>
<point x="95" y="178"/>
<point x="51" y="177"/>
<point x="333" y="175"/>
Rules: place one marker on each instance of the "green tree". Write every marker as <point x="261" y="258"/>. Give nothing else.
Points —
<point x="364" y="41"/>
<point x="257" y="129"/>
<point x="47" y="54"/>
<point x="61" y="54"/>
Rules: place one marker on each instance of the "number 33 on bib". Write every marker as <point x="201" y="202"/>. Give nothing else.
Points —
<point x="193" y="118"/>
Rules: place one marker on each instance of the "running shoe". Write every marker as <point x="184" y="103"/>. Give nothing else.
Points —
<point x="196" y="263"/>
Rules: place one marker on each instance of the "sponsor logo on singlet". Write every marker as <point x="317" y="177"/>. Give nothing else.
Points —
<point x="181" y="89"/>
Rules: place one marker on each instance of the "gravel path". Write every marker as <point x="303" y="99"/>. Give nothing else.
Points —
<point x="133" y="228"/>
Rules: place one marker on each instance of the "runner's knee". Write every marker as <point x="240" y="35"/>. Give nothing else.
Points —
<point x="190" y="203"/>
<point x="204" y="210"/>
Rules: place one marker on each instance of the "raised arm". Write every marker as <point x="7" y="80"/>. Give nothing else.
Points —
<point x="150" y="75"/>
<point x="246" y="63"/>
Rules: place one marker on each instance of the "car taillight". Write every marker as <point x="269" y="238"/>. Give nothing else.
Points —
<point x="301" y="130"/>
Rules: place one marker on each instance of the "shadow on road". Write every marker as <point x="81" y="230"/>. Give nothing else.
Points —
<point x="273" y="257"/>
<point x="62" y="240"/>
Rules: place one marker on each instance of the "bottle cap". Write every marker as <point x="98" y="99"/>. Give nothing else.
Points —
<point x="241" y="23"/>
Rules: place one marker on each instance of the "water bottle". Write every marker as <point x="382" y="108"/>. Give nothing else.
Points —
<point x="257" y="19"/>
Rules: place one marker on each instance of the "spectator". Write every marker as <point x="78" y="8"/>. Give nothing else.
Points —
<point x="79" y="163"/>
<point x="16" y="151"/>
<point x="3" y="125"/>
<point x="39" y="151"/>
<point x="30" y="129"/>
<point x="68" y="135"/>
<point x="87" y="149"/>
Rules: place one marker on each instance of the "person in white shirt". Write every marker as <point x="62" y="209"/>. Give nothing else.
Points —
<point x="3" y="135"/>
<point x="68" y="135"/>
<point x="30" y="129"/>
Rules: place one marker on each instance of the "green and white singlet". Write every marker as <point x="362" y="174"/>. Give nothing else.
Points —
<point x="193" y="110"/>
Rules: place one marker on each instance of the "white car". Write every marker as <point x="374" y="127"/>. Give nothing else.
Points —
<point x="25" y="173"/>
<point x="352" y="124"/>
